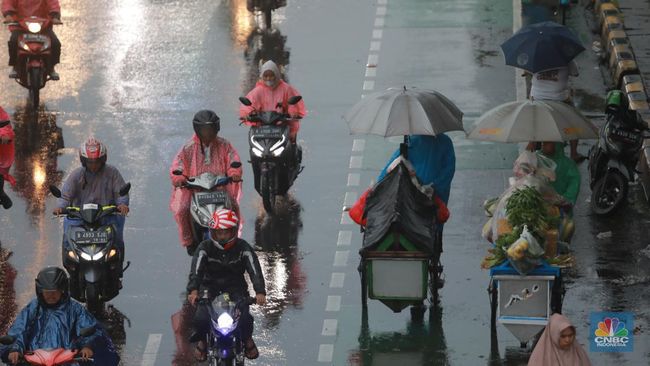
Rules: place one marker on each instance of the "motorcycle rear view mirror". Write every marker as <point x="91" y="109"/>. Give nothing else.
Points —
<point x="295" y="99"/>
<point x="235" y="164"/>
<point x="245" y="101"/>
<point x="125" y="189"/>
<point x="7" y="340"/>
<point x="85" y="332"/>
<point x="55" y="191"/>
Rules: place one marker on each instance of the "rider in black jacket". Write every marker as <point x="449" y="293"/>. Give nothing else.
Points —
<point x="218" y="266"/>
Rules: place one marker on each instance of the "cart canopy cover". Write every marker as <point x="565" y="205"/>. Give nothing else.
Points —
<point x="397" y="200"/>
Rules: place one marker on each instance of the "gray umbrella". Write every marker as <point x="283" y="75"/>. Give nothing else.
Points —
<point x="404" y="111"/>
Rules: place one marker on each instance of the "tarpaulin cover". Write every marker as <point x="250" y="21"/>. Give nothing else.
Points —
<point x="396" y="201"/>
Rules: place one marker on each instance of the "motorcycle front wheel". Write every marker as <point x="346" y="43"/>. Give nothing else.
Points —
<point x="93" y="302"/>
<point x="35" y="75"/>
<point x="268" y="195"/>
<point x="609" y="193"/>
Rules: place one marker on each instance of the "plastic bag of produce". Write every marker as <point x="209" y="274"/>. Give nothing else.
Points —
<point x="525" y="254"/>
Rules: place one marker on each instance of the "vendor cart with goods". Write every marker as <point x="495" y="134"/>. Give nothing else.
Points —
<point x="400" y="257"/>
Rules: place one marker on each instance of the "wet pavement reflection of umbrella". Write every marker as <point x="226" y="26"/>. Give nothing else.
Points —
<point x="524" y="121"/>
<point x="541" y="46"/>
<point x="404" y="111"/>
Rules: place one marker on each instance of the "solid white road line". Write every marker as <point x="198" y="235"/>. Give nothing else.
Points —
<point x="151" y="349"/>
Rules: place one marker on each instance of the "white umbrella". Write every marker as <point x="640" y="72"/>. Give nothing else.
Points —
<point x="404" y="111"/>
<point x="527" y="120"/>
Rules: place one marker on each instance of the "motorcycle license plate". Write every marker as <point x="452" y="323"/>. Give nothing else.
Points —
<point x="625" y="135"/>
<point x="212" y="198"/>
<point x="269" y="132"/>
<point x="34" y="38"/>
<point x="91" y="237"/>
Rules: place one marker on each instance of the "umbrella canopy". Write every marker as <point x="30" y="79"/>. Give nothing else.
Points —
<point x="524" y="121"/>
<point x="541" y="46"/>
<point x="404" y="111"/>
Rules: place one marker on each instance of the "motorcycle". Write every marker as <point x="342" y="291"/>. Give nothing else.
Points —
<point x="208" y="197"/>
<point x="225" y="346"/>
<point x="275" y="160"/>
<point x="612" y="161"/>
<point x="51" y="357"/>
<point x="94" y="260"/>
<point x="33" y="55"/>
<point x="266" y="7"/>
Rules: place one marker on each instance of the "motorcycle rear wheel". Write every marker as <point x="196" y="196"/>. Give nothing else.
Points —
<point x="35" y="75"/>
<point x="607" y="197"/>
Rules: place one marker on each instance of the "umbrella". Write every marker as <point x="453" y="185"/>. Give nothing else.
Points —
<point x="527" y="120"/>
<point x="404" y="111"/>
<point x="541" y="46"/>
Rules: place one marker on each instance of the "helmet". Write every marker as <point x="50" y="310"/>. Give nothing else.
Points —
<point x="92" y="149"/>
<point x="206" y="118"/>
<point x="51" y="278"/>
<point x="224" y="219"/>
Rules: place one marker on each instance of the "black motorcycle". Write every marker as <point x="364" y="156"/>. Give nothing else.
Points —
<point x="266" y="7"/>
<point x="94" y="260"/>
<point x="225" y="345"/>
<point x="276" y="161"/>
<point x="613" y="159"/>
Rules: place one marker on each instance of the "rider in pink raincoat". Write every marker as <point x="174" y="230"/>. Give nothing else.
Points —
<point x="6" y="156"/>
<point x="270" y="91"/>
<point x="205" y="152"/>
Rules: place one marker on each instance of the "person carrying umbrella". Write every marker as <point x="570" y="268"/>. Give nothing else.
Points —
<point x="546" y="50"/>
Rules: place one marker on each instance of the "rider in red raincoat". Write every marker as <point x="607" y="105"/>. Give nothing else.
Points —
<point x="6" y="156"/>
<point x="270" y="91"/>
<point x="205" y="152"/>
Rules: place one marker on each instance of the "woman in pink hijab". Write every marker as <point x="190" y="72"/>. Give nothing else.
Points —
<point x="558" y="346"/>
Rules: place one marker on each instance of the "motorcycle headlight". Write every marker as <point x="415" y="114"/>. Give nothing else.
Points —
<point x="98" y="256"/>
<point x="225" y="323"/>
<point x="257" y="152"/>
<point x="112" y="253"/>
<point x="25" y="47"/>
<point x="72" y="255"/>
<point x="86" y="256"/>
<point x="33" y="27"/>
<point x="279" y="151"/>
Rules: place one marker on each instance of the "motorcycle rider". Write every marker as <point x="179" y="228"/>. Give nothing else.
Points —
<point x="15" y="10"/>
<point x="271" y="91"/>
<point x="7" y="153"/>
<point x="94" y="182"/>
<point x="51" y="320"/>
<point x="218" y="266"/>
<point x="204" y="152"/>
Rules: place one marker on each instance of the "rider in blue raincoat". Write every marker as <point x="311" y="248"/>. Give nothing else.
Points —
<point x="434" y="161"/>
<point x="54" y="320"/>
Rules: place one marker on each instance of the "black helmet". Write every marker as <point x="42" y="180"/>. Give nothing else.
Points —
<point x="206" y="117"/>
<point x="51" y="278"/>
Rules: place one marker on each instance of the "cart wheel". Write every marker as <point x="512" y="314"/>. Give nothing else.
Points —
<point x="417" y="313"/>
<point x="492" y="290"/>
<point x="364" y="284"/>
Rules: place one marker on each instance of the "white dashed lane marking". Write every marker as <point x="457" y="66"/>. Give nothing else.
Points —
<point x="337" y="280"/>
<point x="345" y="238"/>
<point x="354" y="179"/>
<point x="151" y="349"/>
<point x="333" y="303"/>
<point x="329" y="327"/>
<point x="325" y="352"/>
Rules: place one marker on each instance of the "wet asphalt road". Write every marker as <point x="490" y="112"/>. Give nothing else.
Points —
<point x="134" y="72"/>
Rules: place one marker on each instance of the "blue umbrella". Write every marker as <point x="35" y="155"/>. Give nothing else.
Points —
<point x="541" y="46"/>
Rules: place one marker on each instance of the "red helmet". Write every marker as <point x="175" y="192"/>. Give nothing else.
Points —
<point x="224" y="219"/>
<point x="92" y="149"/>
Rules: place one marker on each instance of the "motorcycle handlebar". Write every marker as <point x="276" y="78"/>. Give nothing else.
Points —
<point x="81" y="359"/>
